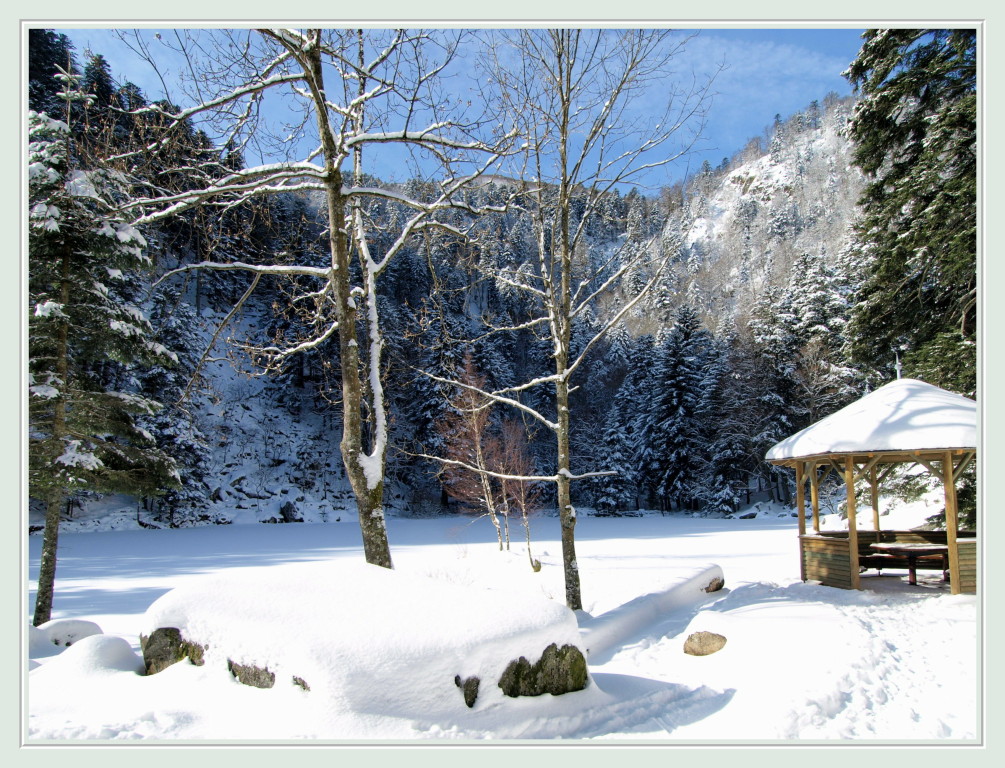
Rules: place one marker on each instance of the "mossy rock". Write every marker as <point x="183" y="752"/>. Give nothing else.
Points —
<point x="258" y="677"/>
<point x="469" y="688"/>
<point x="558" y="671"/>
<point x="165" y="646"/>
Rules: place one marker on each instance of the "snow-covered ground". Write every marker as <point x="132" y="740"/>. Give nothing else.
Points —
<point x="801" y="662"/>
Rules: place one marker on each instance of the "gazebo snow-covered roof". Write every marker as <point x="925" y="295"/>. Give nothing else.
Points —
<point x="905" y="421"/>
<point x="904" y="415"/>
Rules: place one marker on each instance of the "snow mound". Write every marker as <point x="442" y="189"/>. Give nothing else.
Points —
<point x="377" y="640"/>
<point x="93" y="655"/>
<point x="50" y="637"/>
<point x="605" y="632"/>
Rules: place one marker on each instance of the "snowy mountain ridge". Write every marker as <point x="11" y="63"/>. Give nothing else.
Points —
<point x="753" y="219"/>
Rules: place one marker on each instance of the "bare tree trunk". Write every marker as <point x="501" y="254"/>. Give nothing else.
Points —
<point x="534" y="564"/>
<point x="368" y="487"/>
<point x="486" y="484"/>
<point x="566" y="512"/>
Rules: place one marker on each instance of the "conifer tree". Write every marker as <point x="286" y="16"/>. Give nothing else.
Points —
<point x="635" y="395"/>
<point x="673" y="430"/>
<point x="49" y="53"/>
<point x="615" y="492"/>
<point x="915" y="132"/>
<point x="779" y="411"/>
<point x="722" y="461"/>
<point x="82" y="436"/>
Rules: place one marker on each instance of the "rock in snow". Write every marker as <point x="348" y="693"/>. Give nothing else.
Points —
<point x="703" y="643"/>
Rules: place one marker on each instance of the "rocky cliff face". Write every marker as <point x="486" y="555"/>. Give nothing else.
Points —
<point x="752" y="219"/>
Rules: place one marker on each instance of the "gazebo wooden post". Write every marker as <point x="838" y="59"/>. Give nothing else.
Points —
<point x="800" y="497"/>
<point x="815" y="495"/>
<point x="952" y="522"/>
<point x="800" y="507"/>
<point x="849" y="479"/>
<point x="874" y="488"/>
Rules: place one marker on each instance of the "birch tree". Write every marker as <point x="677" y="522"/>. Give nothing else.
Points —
<point x="346" y="94"/>
<point x="572" y="94"/>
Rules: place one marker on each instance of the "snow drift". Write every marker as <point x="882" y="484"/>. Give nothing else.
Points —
<point x="373" y="639"/>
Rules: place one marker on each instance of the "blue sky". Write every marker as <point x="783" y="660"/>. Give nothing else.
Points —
<point x="769" y="72"/>
<point x="766" y="72"/>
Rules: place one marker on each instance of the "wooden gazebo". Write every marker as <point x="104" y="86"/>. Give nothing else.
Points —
<point x="905" y="421"/>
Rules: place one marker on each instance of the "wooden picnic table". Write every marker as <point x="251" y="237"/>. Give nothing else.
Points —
<point x="913" y="551"/>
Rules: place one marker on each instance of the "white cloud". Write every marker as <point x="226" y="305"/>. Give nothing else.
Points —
<point x="759" y="80"/>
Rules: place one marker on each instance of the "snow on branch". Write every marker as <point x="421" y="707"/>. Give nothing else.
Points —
<point x="486" y="472"/>
<point x="499" y="397"/>
<point x="515" y="478"/>
<point x="276" y="355"/>
<point x="273" y="177"/>
<point x="323" y="273"/>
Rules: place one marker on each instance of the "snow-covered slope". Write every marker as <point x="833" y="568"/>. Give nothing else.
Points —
<point x="751" y="221"/>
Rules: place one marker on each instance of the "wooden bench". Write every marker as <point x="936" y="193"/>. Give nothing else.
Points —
<point x="824" y="556"/>
<point x="879" y="561"/>
<point x="870" y="558"/>
<point x="883" y="560"/>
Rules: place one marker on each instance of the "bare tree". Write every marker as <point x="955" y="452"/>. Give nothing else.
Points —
<point x="486" y="466"/>
<point x="464" y="431"/>
<point x="345" y="94"/>
<point x="573" y="96"/>
<point x="512" y="457"/>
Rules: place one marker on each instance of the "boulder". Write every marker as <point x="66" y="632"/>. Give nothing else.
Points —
<point x="166" y="646"/>
<point x="703" y="643"/>
<point x="715" y="584"/>
<point x="469" y="688"/>
<point x="558" y="671"/>
<point x="290" y="513"/>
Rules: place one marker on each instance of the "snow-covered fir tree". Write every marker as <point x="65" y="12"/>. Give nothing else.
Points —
<point x="673" y="429"/>
<point x="84" y="434"/>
